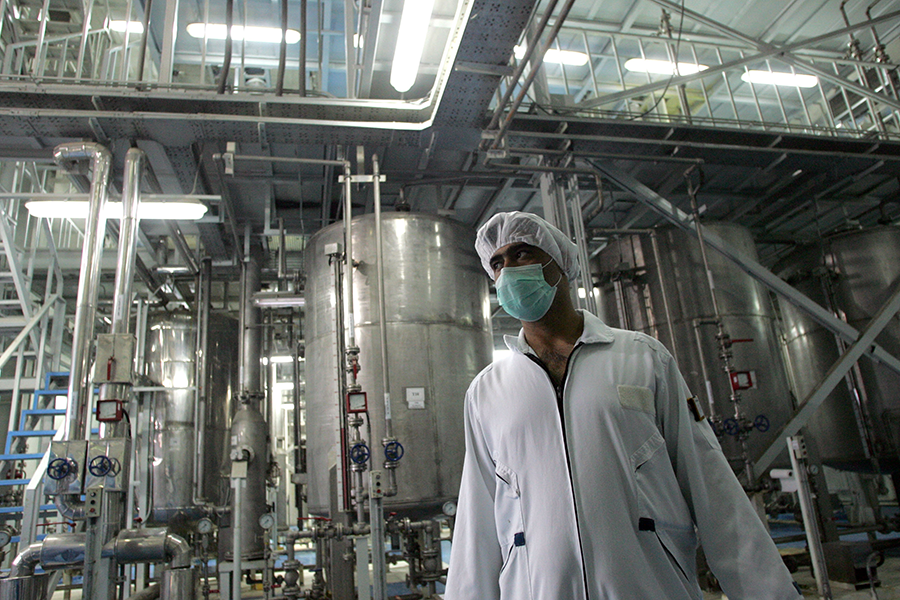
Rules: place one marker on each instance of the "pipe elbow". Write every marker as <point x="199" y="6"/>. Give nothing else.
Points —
<point x="178" y="551"/>
<point x="73" y="151"/>
<point x="69" y="507"/>
<point x="23" y="565"/>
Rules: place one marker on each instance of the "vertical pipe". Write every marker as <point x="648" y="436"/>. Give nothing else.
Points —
<point x="797" y="450"/>
<point x="348" y="255"/>
<point x="204" y="293"/>
<point x="303" y="30"/>
<point x="237" y="546"/>
<point x="80" y="388"/>
<point x="85" y="30"/>
<point x="665" y="296"/>
<point x="250" y="335"/>
<point x="226" y="63"/>
<point x="282" y="49"/>
<point x="382" y="313"/>
<point x="142" y="53"/>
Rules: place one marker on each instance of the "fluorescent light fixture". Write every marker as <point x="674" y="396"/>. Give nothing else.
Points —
<point x="123" y="26"/>
<point x="283" y="386"/>
<point x="181" y="210"/>
<point x="784" y="79"/>
<point x="662" y="67"/>
<point x="219" y="31"/>
<point x="410" y="43"/>
<point x="280" y="360"/>
<point x="278" y="299"/>
<point x="562" y="57"/>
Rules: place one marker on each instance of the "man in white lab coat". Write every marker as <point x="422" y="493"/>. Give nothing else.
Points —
<point x="590" y="472"/>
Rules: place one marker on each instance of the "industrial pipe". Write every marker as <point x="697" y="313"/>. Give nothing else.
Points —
<point x="237" y="535"/>
<point x="390" y="466"/>
<point x="80" y="386"/>
<point x="250" y="332"/>
<point x="142" y="53"/>
<point x="282" y="49"/>
<point x="149" y="593"/>
<point x="24" y="564"/>
<point x="226" y="62"/>
<point x="204" y="294"/>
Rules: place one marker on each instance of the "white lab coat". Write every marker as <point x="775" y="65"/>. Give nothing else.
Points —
<point x="609" y="507"/>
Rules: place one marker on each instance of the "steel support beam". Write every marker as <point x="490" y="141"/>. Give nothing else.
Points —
<point x="684" y="221"/>
<point x="834" y="376"/>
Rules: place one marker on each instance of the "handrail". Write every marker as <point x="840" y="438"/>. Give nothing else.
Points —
<point x="35" y="319"/>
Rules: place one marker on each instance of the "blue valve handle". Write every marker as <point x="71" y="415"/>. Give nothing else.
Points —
<point x="359" y="453"/>
<point x="100" y="466"/>
<point x="732" y="427"/>
<point x="393" y="451"/>
<point x="60" y="468"/>
<point x="761" y="423"/>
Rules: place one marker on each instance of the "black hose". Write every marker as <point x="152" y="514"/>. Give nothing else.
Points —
<point x="226" y="62"/>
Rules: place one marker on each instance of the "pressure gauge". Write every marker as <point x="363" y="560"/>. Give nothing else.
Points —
<point x="267" y="521"/>
<point x="449" y="508"/>
<point x="5" y="537"/>
<point x="204" y="526"/>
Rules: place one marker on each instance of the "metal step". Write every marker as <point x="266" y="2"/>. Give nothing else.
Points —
<point x="33" y="433"/>
<point x="21" y="456"/>
<point x="43" y="412"/>
<point x="11" y="510"/>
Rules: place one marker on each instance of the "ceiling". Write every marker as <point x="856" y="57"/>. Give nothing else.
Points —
<point x="788" y="163"/>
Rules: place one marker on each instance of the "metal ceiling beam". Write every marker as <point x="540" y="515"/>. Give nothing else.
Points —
<point x="684" y="221"/>
<point x="369" y="39"/>
<point x="770" y="51"/>
<point x="782" y="53"/>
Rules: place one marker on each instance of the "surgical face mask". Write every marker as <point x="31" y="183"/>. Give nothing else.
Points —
<point x="523" y="292"/>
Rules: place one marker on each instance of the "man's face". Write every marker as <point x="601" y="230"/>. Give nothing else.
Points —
<point x="519" y="254"/>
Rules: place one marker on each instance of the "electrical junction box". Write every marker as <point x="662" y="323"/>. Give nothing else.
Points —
<point x="65" y="468"/>
<point x="376" y="486"/>
<point x="115" y="358"/>
<point x="107" y="465"/>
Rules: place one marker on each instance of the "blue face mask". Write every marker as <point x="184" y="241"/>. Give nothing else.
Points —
<point x="524" y="293"/>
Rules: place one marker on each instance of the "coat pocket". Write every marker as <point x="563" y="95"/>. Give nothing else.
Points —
<point x="515" y="580"/>
<point x="663" y="509"/>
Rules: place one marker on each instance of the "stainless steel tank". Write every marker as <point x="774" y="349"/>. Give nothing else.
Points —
<point x="171" y="362"/>
<point x="439" y="338"/>
<point x="853" y="274"/>
<point x="634" y="296"/>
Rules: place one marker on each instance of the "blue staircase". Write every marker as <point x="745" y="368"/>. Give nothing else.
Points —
<point x="36" y="425"/>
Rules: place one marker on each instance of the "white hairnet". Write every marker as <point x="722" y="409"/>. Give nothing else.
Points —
<point x="512" y="227"/>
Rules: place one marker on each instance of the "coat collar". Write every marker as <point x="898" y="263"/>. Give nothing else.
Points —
<point x="595" y="332"/>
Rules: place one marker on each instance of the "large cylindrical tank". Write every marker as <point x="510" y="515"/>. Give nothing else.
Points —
<point x="171" y="362"/>
<point x="852" y="274"/>
<point x="439" y="338"/>
<point x="634" y="291"/>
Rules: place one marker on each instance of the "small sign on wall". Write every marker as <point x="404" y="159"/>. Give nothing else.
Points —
<point x="415" y="398"/>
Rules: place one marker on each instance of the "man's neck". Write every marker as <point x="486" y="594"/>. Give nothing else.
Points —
<point x="559" y="329"/>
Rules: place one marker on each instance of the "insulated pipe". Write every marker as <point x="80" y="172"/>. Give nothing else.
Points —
<point x="80" y="387"/>
<point x="250" y="334"/>
<point x="348" y="259"/>
<point x="148" y="593"/>
<point x="24" y="564"/>
<point x="129" y="226"/>
<point x="182" y="247"/>
<point x="70" y="507"/>
<point x="204" y="293"/>
<point x="390" y="467"/>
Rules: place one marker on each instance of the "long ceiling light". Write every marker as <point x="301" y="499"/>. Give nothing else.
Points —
<point x="662" y="67"/>
<point x="123" y="26"/>
<point x="410" y="43"/>
<point x="219" y="31"/>
<point x="181" y="210"/>
<point x="783" y="79"/>
<point x="562" y="57"/>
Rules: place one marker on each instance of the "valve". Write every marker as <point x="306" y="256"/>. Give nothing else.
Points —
<point x="761" y="422"/>
<point x="60" y="468"/>
<point x="359" y="453"/>
<point x="393" y="451"/>
<point x="100" y="466"/>
<point x="731" y="426"/>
